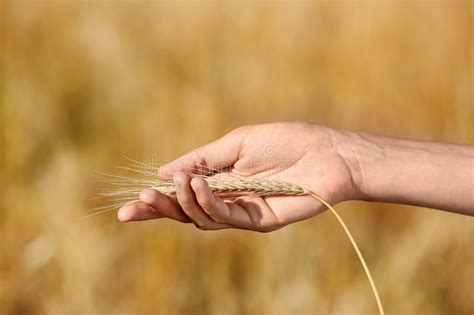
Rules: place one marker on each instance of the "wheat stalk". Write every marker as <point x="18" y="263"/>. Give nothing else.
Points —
<point x="224" y="186"/>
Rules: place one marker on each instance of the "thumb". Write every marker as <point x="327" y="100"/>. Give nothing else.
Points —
<point x="209" y="159"/>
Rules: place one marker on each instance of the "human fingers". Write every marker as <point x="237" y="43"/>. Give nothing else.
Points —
<point x="251" y="212"/>
<point x="165" y="206"/>
<point x="187" y="200"/>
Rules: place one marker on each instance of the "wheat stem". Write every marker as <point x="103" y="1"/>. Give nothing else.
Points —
<point x="356" y="248"/>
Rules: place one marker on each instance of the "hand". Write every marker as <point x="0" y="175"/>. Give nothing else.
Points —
<point x="298" y="153"/>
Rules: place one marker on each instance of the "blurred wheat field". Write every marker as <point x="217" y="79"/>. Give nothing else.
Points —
<point x="85" y="83"/>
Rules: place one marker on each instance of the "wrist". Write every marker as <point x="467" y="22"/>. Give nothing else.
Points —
<point x="380" y="167"/>
<point x="349" y="149"/>
<point x="356" y="153"/>
<point x="370" y="166"/>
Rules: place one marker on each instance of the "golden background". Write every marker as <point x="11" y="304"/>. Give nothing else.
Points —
<point x="85" y="83"/>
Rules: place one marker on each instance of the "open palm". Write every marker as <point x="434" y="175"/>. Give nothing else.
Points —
<point x="298" y="153"/>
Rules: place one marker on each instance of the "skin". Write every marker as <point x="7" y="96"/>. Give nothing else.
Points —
<point x="337" y="165"/>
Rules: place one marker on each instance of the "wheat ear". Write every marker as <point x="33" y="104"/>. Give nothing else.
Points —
<point x="230" y="186"/>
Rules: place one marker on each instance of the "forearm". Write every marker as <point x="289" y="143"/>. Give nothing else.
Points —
<point x="425" y="174"/>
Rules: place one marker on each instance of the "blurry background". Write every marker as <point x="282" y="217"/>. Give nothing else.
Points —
<point x="84" y="83"/>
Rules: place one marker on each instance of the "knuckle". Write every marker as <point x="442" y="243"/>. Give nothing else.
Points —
<point x="198" y="161"/>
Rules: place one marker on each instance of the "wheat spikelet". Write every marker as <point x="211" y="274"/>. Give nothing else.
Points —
<point x="236" y="185"/>
<point x="228" y="185"/>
